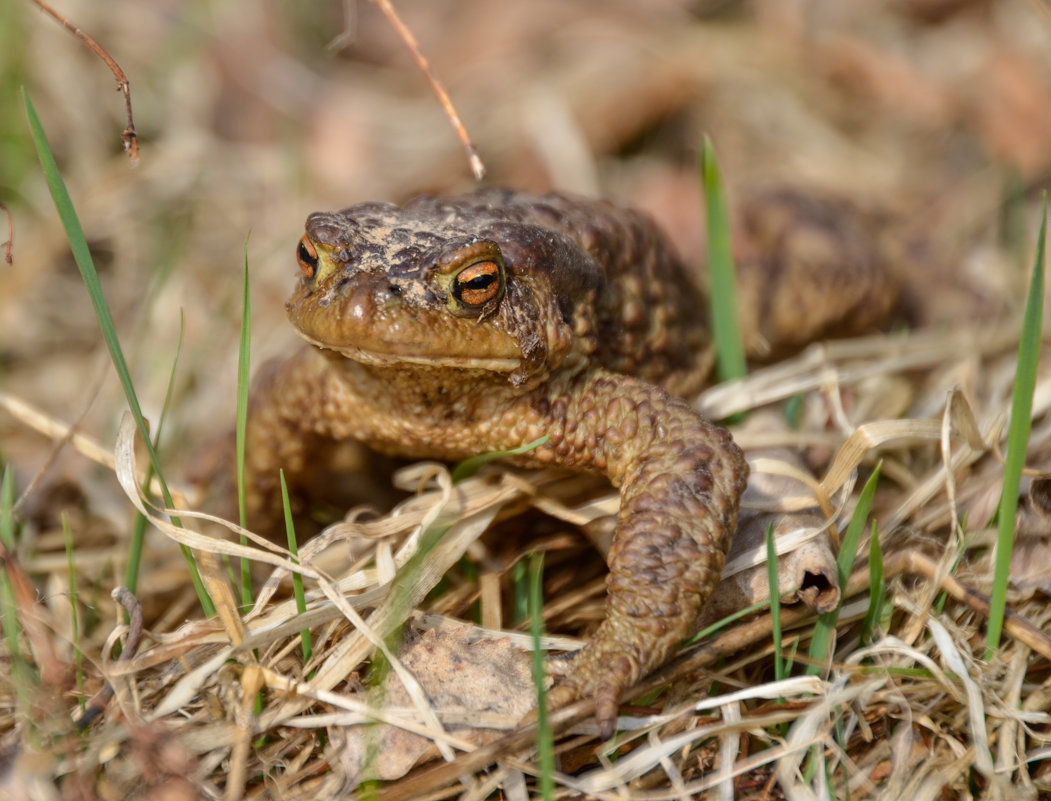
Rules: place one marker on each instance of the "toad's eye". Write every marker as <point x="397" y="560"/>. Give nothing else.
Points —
<point x="477" y="284"/>
<point x="306" y="255"/>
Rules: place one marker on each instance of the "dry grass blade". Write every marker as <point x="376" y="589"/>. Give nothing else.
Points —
<point x="849" y="362"/>
<point x="53" y="429"/>
<point x="869" y="436"/>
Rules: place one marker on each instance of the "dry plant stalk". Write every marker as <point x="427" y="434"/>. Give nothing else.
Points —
<point x="128" y="136"/>
<point x="406" y="35"/>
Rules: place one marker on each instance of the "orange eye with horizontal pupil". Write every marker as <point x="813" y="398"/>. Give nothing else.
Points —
<point x="477" y="284"/>
<point x="306" y="255"/>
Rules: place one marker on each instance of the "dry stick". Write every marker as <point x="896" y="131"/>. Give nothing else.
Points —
<point x="725" y="645"/>
<point x="131" y="645"/>
<point x="1014" y="624"/>
<point x="128" y="136"/>
<point x="10" y="243"/>
<point x="251" y="684"/>
<point x="436" y="86"/>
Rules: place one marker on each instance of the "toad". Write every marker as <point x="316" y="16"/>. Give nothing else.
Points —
<point x="450" y="327"/>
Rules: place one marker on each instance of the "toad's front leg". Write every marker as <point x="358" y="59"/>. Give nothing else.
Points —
<point x="681" y="479"/>
<point x="298" y="408"/>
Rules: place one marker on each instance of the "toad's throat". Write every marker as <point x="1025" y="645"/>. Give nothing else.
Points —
<point x="386" y="359"/>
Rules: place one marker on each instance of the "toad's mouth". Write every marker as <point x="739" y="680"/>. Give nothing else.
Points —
<point x="367" y="323"/>
<point x="388" y="359"/>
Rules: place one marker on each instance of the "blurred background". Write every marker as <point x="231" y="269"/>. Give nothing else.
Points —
<point x="250" y="115"/>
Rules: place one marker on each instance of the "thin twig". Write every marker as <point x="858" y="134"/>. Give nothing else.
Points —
<point x="128" y="136"/>
<point x="10" y="243"/>
<point x="436" y="86"/>
<point x="131" y="605"/>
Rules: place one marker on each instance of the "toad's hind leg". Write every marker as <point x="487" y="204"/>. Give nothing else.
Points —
<point x="810" y="267"/>
<point x="681" y="478"/>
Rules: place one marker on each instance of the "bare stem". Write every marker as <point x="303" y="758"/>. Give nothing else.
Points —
<point x="128" y="136"/>
<point x="406" y="35"/>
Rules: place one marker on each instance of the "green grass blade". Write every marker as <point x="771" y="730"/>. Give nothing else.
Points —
<point x="468" y="467"/>
<point x="877" y="588"/>
<point x="724" y="623"/>
<point x="243" y="370"/>
<point x="726" y="327"/>
<point x="297" y="579"/>
<point x="7" y="505"/>
<point x="826" y="623"/>
<point x="545" y="744"/>
<point x="775" y="600"/>
<point x="1017" y="440"/>
<point x="138" y="533"/>
<point x="848" y="548"/>
<point x="20" y="673"/>
<point x="519" y="593"/>
<point x="8" y="610"/>
<point x="790" y="662"/>
<point x="82" y="255"/>
<point x="78" y="654"/>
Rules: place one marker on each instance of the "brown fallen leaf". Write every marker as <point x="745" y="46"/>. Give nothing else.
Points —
<point x="479" y="689"/>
